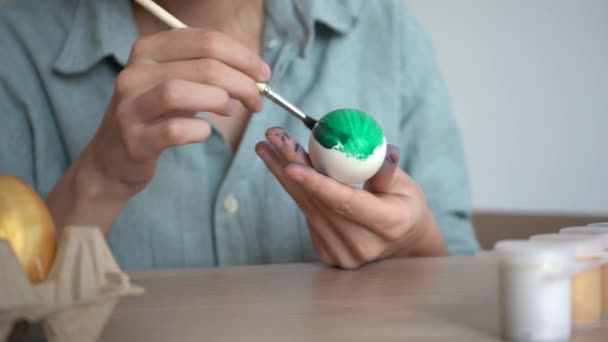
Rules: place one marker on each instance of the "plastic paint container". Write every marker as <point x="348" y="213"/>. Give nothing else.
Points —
<point x="587" y="285"/>
<point x="534" y="290"/>
<point x="603" y="233"/>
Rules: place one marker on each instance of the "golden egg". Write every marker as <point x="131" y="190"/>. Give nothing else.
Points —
<point x="26" y="223"/>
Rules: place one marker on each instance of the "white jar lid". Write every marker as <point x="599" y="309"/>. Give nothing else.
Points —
<point x="588" y="230"/>
<point x="530" y="252"/>
<point x="585" y="246"/>
<point x="603" y="225"/>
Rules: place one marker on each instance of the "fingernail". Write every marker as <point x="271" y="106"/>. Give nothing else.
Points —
<point x="391" y="157"/>
<point x="261" y="153"/>
<point x="277" y="137"/>
<point x="266" y="72"/>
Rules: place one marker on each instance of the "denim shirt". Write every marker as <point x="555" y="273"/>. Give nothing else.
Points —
<point x="207" y="204"/>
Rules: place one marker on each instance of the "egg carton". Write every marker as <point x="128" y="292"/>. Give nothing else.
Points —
<point x="77" y="298"/>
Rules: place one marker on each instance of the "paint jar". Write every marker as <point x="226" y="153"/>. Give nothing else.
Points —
<point x="534" y="290"/>
<point x="603" y="233"/>
<point x="586" y="286"/>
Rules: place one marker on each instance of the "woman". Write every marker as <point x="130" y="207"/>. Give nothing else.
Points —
<point x="149" y="134"/>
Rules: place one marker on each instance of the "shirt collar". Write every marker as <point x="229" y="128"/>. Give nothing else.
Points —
<point x="105" y="28"/>
<point x="340" y="16"/>
<point x="100" y="29"/>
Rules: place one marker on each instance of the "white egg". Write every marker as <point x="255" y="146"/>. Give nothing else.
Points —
<point x="343" y="168"/>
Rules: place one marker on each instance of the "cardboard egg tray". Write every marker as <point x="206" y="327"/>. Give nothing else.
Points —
<point x="77" y="298"/>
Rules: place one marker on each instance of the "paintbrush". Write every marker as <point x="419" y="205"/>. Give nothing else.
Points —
<point x="264" y="88"/>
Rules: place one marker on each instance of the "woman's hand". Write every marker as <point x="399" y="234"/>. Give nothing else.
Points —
<point x="349" y="226"/>
<point x="170" y="76"/>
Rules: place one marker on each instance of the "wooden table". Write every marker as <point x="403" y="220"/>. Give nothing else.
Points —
<point x="435" y="299"/>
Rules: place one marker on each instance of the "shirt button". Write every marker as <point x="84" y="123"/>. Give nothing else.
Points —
<point x="231" y="204"/>
<point x="272" y="43"/>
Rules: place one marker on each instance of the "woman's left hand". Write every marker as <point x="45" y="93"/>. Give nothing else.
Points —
<point x="350" y="226"/>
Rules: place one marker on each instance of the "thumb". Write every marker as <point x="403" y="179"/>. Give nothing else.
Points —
<point x="381" y="181"/>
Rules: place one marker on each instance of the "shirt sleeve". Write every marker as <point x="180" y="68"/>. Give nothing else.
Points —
<point x="431" y="144"/>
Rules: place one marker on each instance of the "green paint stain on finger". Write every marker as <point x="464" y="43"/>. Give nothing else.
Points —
<point x="350" y="131"/>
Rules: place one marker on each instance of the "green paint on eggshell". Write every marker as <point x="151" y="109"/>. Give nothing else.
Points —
<point x="350" y="131"/>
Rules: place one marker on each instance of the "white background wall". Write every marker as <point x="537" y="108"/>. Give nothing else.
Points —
<point x="529" y="83"/>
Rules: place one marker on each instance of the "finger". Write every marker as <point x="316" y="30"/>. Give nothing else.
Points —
<point x="180" y="96"/>
<point x="382" y="181"/>
<point x="205" y="71"/>
<point x="287" y="146"/>
<point x="157" y="137"/>
<point x="276" y="164"/>
<point x="333" y="245"/>
<point x="195" y="43"/>
<point x="363" y="244"/>
<point x="321" y="247"/>
<point x="356" y="204"/>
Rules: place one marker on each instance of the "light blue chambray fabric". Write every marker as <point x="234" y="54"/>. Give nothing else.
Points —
<point x="208" y="205"/>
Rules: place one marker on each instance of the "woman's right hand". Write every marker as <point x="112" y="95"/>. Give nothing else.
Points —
<point x="170" y="76"/>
